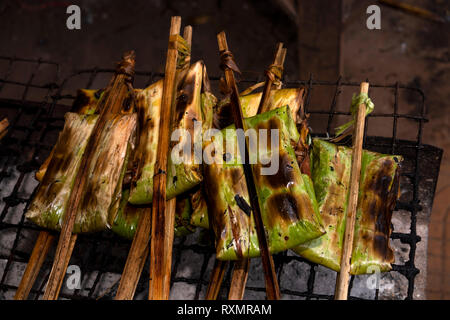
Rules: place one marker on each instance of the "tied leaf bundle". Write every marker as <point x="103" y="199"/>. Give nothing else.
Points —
<point x="357" y="99"/>
<point x="379" y="188"/>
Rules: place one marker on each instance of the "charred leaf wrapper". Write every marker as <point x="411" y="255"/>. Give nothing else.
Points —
<point x="378" y="192"/>
<point x="287" y="200"/>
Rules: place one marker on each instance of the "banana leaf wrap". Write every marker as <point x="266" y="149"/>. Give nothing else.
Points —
<point x="127" y="217"/>
<point x="292" y="97"/>
<point x="103" y="191"/>
<point x="85" y="103"/>
<point x="191" y="106"/>
<point x="287" y="200"/>
<point x="49" y="203"/>
<point x="379" y="187"/>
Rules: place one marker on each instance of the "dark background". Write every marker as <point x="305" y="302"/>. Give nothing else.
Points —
<point x="327" y="38"/>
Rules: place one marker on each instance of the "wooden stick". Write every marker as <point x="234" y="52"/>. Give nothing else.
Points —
<point x="240" y="271"/>
<point x="136" y="258"/>
<point x="139" y="248"/>
<point x="270" y="78"/>
<point x="239" y="279"/>
<point x="112" y="104"/>
<point x="341" y="290"/>
<point x="215" y="282"/>
<point x="420" y="12"/>
<point x="4" y="124"/>
<point x="43" y="244"/>
<point x="162" y="219"/>
<point x="172" y="203"/>
<point x="272" y="289"/>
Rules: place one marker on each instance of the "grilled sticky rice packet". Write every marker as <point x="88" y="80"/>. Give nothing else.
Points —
<point x="125" y="221"/>
<point x="292" y="97"/>
<point x="379" y="189"/>
<point x="48" y="206"/>
<point x="85" y="102"/>
<point x="103" y="190"/>
<point x="191" y="106"/>
<point x="288" y="205"/>
<point x="222" y="117"/>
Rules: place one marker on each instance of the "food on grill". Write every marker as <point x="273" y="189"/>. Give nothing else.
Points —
<point x="192" y="106"/>
<point x="292" y="97"/>
<point x="126" y="219"/>
<point x="103" y="190"/>
<point x="85" y="102"/>
<point x="222" y="118"/>
<point x="287" y="200"/>
<point x="379" y="189"/>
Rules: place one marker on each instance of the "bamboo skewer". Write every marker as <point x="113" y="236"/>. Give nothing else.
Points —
<point x="273" y="73"/>
<point x="162" y="222"/>
<point x="215" y="282"/>
<point x="139" y="248"/>
<point x="239" y="279"/>
<point x="342" y="281"/>
<point x="4" y="124"/>
<point x="41" y="247"/>
<point x="240" y="271"/>
<point x="272" y="289"/>
<point x="112" y="104"/>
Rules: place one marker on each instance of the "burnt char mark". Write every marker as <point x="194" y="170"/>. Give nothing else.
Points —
<point x="380" y="207"/>
<point x="80" y="102"/>
<point x="284" y="207"/>
<point x="285" y="174"/>
<point x="381" y="247"/>
<point x="179" y="208"/>
<point x="185" y="96"/>
<point x="243" y="205"/>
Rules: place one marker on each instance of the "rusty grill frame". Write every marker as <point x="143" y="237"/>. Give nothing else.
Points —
<point x="24" y="147"/>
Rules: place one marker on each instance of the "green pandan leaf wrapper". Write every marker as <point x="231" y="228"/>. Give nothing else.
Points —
<point x="287" y="200"/>
<point x="191" y="106"/>
<point x="379" y="187"/>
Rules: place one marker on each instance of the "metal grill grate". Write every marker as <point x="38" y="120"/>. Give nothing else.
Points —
<point x="35" y="109"/>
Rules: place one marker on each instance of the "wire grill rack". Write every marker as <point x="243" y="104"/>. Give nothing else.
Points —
<point x="35" y="108"/>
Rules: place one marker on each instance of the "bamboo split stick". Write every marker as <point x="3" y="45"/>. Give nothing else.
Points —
<point x="4" y="124"/>
<point x="272" y="289"/>
<point x="112" y="104"/>
<point x="162" y="222"/>
<point x="41" y="247"/>
<point x="271" y="77"/>
<point x="215" y="282"/>
<point x="240" y="271"/>
<point x="139" y="248"/>
<point x="239" y="279"/>
<point x="342" y="281"/>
